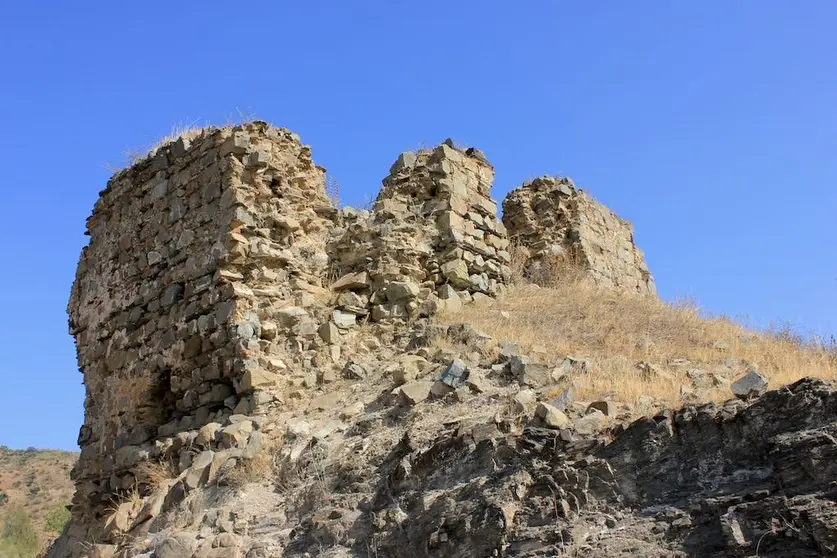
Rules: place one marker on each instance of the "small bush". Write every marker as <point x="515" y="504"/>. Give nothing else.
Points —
<point x="18" y="538"/>
<point x="157" y="473"/>
<point x="260" y="467"/>
<point x="57" y="519"/>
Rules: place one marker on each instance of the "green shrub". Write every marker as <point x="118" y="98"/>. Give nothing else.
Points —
<point x="57" y="519"/>
<point x="18" y="538"/>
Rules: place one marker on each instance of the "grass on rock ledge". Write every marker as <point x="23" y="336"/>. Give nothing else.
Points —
<point x="570" y="316"/>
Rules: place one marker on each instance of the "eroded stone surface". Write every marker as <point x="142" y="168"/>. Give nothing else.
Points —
<point x="549" y="216"/>
<point x="191" y="251"/>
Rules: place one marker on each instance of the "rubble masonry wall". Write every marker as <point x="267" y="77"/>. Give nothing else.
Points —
<point x="550" y="216"/>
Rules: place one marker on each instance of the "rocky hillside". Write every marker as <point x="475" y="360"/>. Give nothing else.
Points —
<point x="268" y="375"/>
<point x="448" y="441"/>
<point x="35" y="489"/>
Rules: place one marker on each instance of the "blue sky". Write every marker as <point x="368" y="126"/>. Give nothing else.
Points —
<point x="710" y="125"/>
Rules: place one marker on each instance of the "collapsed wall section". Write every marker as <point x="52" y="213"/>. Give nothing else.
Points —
<point x="549" y="216"/>
<point x="193" y="254"/>
<point x="431" y="239"/>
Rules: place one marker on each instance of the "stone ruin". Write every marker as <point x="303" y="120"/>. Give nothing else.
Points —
<point x="550" y="217"/>
<point x="434" y="222"/>
<point x="220" y="284"/>
<point x="198" y="255"/>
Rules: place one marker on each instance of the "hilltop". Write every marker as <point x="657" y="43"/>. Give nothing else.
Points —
<point x="270" y="375"/>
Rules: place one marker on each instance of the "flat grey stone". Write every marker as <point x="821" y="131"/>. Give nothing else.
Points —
<point x="750" y="385"/>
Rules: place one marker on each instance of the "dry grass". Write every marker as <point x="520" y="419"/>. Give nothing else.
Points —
<point x="187" y="131"/>
<point x="156" y="474"/>
<point x="618" y="331"/>
<point x="259" y="468"/>
<point x="332" y="187"/>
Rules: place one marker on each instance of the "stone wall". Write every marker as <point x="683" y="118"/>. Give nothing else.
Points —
<point x="195" y="256"/>
<point x="549" y="216"/>
<point x="221" y="288"/>
<point x="433" y="235"/>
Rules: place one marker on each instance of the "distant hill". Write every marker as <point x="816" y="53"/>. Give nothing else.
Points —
<point x="35" y="488"/>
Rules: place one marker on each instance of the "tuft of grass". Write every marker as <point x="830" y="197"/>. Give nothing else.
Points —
<point x="157" y="473"/>
<point x="623" y="333"/>
<point x="133" y="156"/>
<point x="57" y="519"/>
<point x="187" y="131"/>
<point x="261" y="467"/>
<point x="332" y="187"/>
<point x="18" y="536"/>
<point x="35" y="484"/>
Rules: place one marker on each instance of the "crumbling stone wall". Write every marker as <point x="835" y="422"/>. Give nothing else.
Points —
<point x="432" y="238"/>
<point x="549" y="216"/>
<point x="195" y="255"/>
<point x="220" y="282"/>
<point x="220" y="288"/>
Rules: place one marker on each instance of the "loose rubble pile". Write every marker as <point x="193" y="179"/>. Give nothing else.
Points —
<point x="266" y="377"/>
<point x="550" y="217"/>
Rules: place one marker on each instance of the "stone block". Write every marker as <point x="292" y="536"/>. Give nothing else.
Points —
<point x="343" y="319"/>
<point x="404" y="162"/>
<point x="352" y="281"/>
<point x="456" y="374"/>
<point x="456" y="271"/>
<point x="450" y="221"/>
<point x="400" y="291"/>
<point x="415" y="392"/>
<point x="256" y="378"/>
<point x="552" y="417"/>
<point x="291" y="315"/>
<point x="752" y="384"/>
<point x="329" y="332"/>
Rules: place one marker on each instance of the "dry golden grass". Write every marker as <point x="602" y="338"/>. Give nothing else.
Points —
<point x="186" y="131"/>
<point x="156" y="474"/>
<point x="617" y="331"/>
<point x="259" y="468"/>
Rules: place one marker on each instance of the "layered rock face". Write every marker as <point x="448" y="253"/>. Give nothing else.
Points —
<point x="549" y="216"/>
<point x="196" y="255"/>
<point x="735" y="479"/>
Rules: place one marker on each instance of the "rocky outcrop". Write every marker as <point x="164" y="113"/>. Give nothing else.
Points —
<point x="712" y="480"/>
<point x="550" y="217"/>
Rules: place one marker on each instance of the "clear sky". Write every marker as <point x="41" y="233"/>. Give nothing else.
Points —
<point x="711" y="125"/>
